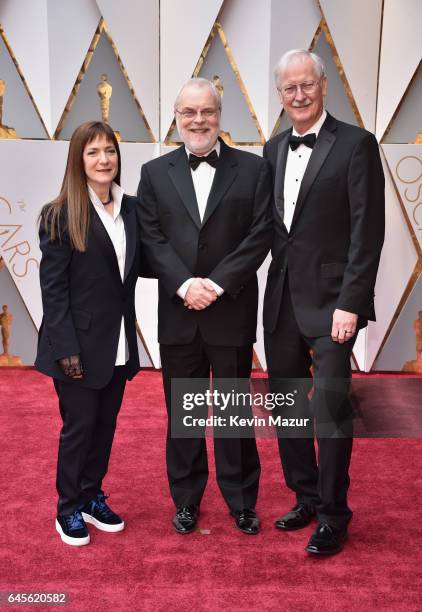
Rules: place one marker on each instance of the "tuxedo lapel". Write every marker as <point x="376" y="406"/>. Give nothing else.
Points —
<point x="129" y="220"/>
<point x="180" y="174"/>
<point x="103" y="240"/>
<point x="280" y="171"/>
<point x="225" y="174"/>
<point x="323" y="144"/>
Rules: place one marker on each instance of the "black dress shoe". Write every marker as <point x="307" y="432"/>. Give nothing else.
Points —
<point x="326" y="540"/>
<point x="246" y="520"/>
<point x="185" y="519"/>
<point x="298" y="517"/>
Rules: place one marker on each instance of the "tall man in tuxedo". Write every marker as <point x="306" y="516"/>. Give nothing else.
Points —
<point x="205" y="217"/>
<point x="328" y="233"/>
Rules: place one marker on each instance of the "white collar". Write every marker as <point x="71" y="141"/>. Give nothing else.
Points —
<point x="216" y="147"/>
<point x="315" y="128"/>
<point x="117" y="193"/>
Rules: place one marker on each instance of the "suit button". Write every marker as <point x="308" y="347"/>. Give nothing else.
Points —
<point x="281" y="269"/>
<point x="202" y="246"/>
<point x="290" y="240"/>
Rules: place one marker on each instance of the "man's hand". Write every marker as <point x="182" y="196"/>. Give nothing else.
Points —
<point x="199" y="295"/>
<point x="72" y="366"/>
<point x="344" y="325"/>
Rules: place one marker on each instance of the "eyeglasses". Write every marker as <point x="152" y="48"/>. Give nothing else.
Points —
<point x="190" y="113"/>
<point x="290" y="91"/>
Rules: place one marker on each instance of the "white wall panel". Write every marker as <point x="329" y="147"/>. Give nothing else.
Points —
<point x="356" y="29"/>
<point x="19" y="112"/>
<point x="184" y="28"/>
<point x="160" y="42"/>
<point x="26" y="27"/>
<point x="401" y="345"/>
<point x="71" y="27"/>
<point x="401" y="52"/>
<point x="146" y="302"/>
<point x="146" y="299"/>
<point x="134" y="28"/>
<point x="24" y="189"/>
<point x="259" y="344"/>
<point x="23" y="333"/>
<point x="359" y="350"/>
<point x="134" y="154"/>
<point x="124" y="114"/>
<point x="405" y="163"/>
<point x="398" y="261"/>
<point x="246" y="24"/>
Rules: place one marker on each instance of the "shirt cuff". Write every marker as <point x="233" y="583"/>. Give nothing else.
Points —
<point x="219" y="291"/>
<point x="181" y="292"/>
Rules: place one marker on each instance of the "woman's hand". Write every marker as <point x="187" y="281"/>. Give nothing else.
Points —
<point x="72" y="366"/>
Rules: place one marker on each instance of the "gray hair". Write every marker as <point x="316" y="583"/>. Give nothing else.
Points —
<point x="199" y="82"/>
<point x="295" y="54"/>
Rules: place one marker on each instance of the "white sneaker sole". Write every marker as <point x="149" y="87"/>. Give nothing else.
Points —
<point x="68" y="540"/>
<point x="103" y="526"/>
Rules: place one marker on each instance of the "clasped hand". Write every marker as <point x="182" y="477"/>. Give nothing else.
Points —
<point x="200" y="294"/>
<point x="72" y="366"/>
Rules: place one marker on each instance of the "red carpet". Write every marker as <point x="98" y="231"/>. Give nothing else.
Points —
<point x="149" y="567"/>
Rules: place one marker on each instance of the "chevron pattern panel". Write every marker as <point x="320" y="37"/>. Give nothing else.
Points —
<point x="56" y="55"/>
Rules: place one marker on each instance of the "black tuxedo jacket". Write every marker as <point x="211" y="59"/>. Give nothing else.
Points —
<point x="84" y="300"/>
<point x="228" y="246"/>
<point x="333" y="248"/>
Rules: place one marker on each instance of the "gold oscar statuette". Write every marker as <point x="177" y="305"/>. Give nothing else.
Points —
<point x="5" y="131"/>
<point x="6" y="359"/>
<point x="219" y="87"/>
<point x="416" y="364"/>
<point x="105" y="91"/>
<point x="419" y="138"/>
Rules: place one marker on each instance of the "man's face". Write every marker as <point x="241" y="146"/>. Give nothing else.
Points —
<point x="303" y="108"/>
<point x="199" y="131"/>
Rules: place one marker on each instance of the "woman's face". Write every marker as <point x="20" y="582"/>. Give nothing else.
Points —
<point x="100" y="162"/>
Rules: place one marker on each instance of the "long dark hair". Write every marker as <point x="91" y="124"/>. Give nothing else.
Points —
<point x="74" y="195"/>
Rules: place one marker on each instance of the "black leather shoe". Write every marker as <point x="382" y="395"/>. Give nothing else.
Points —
<point x="326" y="540"/>
<point x="298" y="517"/>
<point x="185" y="519"/>
<point x="246" y="520"/>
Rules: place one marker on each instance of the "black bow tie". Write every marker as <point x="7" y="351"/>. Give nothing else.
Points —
<point x="211" y="159"/>
<point x="308" y="140"/>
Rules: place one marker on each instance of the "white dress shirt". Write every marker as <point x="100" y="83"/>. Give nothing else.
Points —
<point x="115" y="228"/>
<point x="202" y="179"/>
<point x="296" y="164"/>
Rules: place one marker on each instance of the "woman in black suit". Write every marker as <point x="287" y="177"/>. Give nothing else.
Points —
<point x="87" y="340"/>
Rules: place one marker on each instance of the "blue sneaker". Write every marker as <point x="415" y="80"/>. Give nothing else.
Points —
<point x="72" y="529"/>
<point x="97" y="513"/>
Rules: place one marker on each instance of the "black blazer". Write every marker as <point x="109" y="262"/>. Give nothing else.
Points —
<point x="228" y="246"/>
<point x="84" y="300"/>
<point x="333" y="248"/>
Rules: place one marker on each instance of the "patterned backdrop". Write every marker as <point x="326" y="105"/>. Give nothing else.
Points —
<point x="58" y="56"/>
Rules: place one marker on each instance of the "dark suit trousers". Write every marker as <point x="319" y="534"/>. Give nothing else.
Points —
<point x="236" y="459"/>
<point x="323" y="484"/>
<point x="89" y="422"/>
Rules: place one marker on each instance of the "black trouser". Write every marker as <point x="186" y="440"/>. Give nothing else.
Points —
<point x="89" y="422"/>
<point x="236" y="459"/>
<point x="323" y="484"/>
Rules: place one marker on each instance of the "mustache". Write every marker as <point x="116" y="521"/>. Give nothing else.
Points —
<point x="301" y="104"/>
